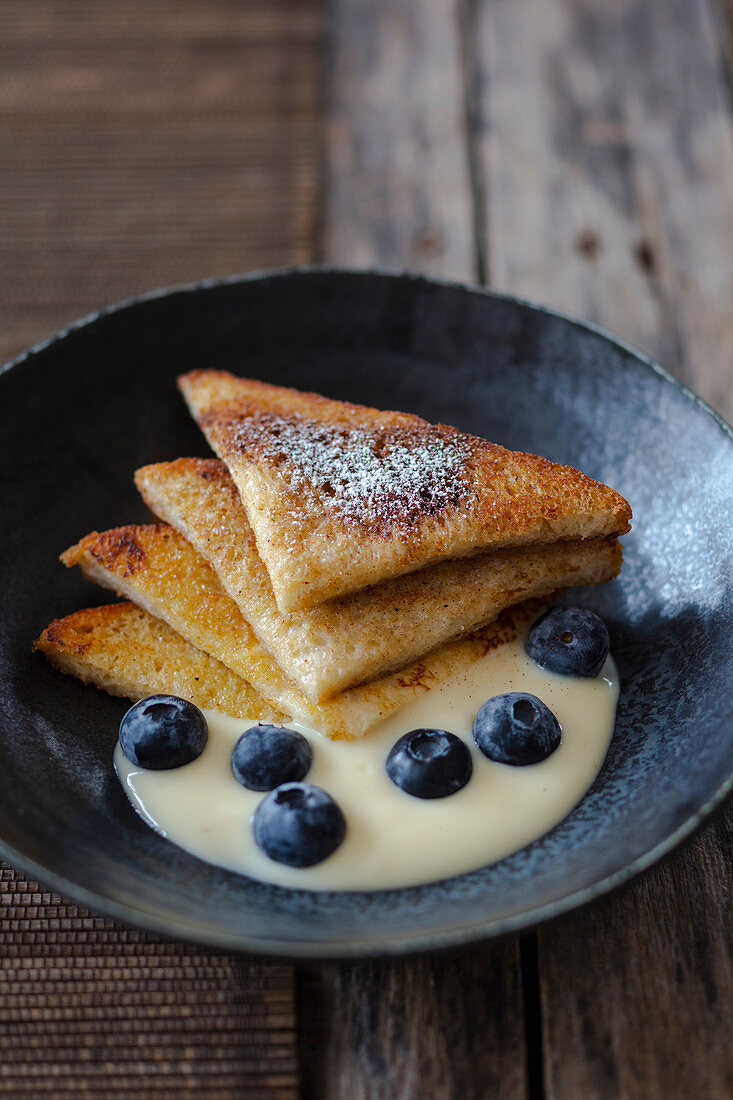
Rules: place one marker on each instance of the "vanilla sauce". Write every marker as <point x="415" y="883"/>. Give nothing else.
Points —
<point x="394" y="839"/>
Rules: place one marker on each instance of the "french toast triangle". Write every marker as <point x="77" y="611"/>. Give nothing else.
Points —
<point x="175" y="588"/>
<point x="341" y="496"/>
<point x="126" y="651"/>
<point x="354" y="638"/>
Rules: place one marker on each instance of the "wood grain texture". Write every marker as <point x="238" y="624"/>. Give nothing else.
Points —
<point x="637" y="990"/>
<point x="398" y="193"/>
<point x="412" y="1029"/>
<point x="605" y="147"/>
<point x="397" y="186"/>
<point x="148" y="144"/>
<point x="607" y="151"/>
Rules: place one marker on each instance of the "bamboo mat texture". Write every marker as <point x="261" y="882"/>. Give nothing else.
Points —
<point x="91" y="1009"/>
<point x="143" y="145"/>
<point x="148" y="144"/>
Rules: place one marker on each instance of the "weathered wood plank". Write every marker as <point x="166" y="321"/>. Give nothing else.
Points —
<point x="606" y="147"/>
<point x="606" y="142"/>
<point x="420" y="1028"/>
<point x="398" y="194"/>
<point x="638" y="989"/>
<point x="397" y="191"/>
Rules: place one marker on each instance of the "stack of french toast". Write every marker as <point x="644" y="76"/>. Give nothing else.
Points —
<point x="331" y="564"/>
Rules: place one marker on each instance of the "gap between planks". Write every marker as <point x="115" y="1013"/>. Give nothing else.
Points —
<point x="594" y="212"/>
<point x="402" y="190"/>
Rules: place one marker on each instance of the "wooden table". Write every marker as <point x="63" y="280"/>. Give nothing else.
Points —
<point x="576" y="152"/>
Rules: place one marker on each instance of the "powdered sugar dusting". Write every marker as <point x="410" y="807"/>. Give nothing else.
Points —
<point x="389" y="475"/>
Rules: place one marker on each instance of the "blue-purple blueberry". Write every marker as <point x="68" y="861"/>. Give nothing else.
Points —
<point x="429" y="763"/>
<point x="569" y="640"/>
<point x="516" y="728"/>
<point x="298" y="824"/>
<point x="163" y="732"/>
<point x="266" y="756"/>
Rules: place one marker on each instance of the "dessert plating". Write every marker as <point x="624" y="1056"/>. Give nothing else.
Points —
<point x="346" y="571"/>
<point x="394" y="839"/>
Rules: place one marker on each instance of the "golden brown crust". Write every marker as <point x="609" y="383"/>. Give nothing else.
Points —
<point x="355" y="638"/>
<point x="341" y="496"/>
<point x="177" y="586"/>
<point x="119" y="549"/>
<point x="174" y="583"/>
<point x="74" y="633"/>
<point x="125" y="651"/>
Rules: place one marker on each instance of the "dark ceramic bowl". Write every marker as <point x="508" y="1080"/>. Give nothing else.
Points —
<point x="79" y="413"/>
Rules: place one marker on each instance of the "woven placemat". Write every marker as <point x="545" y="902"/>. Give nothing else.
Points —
<point x="147" y="144"/>
<point x="91" y="1009"/>
<point x="144" y="144"/>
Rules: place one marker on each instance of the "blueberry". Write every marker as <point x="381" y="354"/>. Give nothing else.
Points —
<point x="163" y="732"/>
<point x="516" y="728"/>
<point x="266" y="756"/>
<point x="429" y="763"/>
<point x="298" y="824"/>
<point x="569" y="640"/>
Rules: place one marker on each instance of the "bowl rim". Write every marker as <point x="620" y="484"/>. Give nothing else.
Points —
<point x="457" y="936"/>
